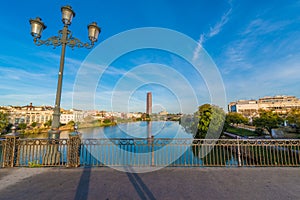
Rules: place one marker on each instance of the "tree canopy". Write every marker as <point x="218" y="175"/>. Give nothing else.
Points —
<point x="267" y="120"/>
<point x="34" y="124"/>
<point x="236" y="118"/>
<point x="22" y="126"/>
<point x="210" y="121"/>
<point x="3" y="121"/>
<point x="293" y="117"/>
<point x="48" y="123"/>
<point x="71" y="123"/>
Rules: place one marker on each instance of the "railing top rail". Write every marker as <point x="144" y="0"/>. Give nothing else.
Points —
<point x="41" y="139"/>
<point x="192" y="139"/>
<point x="189" y="141"/>
<point x="241" y="139"/>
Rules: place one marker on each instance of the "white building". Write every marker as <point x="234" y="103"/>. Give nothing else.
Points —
<point x="164" y="112"/>
<point x="29" y="114"/>
<point x="40" y="114"/>
<point x="248" y="108"/>
<point x="72" y="115"/>
<point x="279" y="104"/>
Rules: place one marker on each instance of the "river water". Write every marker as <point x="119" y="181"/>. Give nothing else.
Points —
<point x="160" y="143"/>
<point x="158" y="129"/>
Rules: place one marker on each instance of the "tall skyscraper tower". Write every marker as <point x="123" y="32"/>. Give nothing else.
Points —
<point x="149" y="103"/>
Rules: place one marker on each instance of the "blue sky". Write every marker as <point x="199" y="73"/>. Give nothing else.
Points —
<point x="254" y="44"/>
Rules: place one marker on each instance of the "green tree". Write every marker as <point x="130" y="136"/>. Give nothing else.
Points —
<point x="22" y="126"/>
<point x="236" y="118"/>
<point x="293" y="117"/>
<point x="210" y="120"/>
<point x="71" y="123"/>
<point x="267" y="120"/>
<point x="3" y="121"/>
<point x="48" y="123"/>
<point x="33" y="124"/>
<point x="106" y="121"/>
<point x="145" y="117"/>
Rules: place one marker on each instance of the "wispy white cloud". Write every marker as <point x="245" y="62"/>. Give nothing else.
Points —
<point x="23" y="63"/>
<point x="250" y="48"/>
<point x="26" y="80"/>
<point x="275" y="77"/>
<point x="21" y="81"/>
<point x="71" y="65"/>
<point x="215" y="30"/>
<point x="263" y="58"/>
<point x="236" y="56"/>
<point x="114" y="71"/>
<point x="261" y="27"/>
<point x="218" y="27"/>
<point x="25" y="99"/>
<point x="18" y="74"/>
<point x="199" y="47"/>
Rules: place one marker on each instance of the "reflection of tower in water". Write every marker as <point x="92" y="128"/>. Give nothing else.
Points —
<point x="149" y="129"/>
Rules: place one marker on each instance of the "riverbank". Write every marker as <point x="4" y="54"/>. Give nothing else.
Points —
<point x="43" y="132"/>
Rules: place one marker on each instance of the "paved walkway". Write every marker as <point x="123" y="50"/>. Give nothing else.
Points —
<point x="167" y="183"/>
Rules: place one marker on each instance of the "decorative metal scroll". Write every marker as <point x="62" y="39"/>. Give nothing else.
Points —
<point x="56" y="41"/>
<point x="74" y="146"/>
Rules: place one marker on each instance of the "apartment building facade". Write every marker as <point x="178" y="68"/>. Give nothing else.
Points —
<point x="278" y="104"/>
<point x="39" y="114"/>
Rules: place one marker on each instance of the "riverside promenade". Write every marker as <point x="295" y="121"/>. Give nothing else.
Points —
<point x="168" y="183"/>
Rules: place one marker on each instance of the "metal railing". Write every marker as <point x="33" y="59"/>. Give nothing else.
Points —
<point x="41" y="152"/>
<point x="148" y="152"/>
<point x="189" y="152"/>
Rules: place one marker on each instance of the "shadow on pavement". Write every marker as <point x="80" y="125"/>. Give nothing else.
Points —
<point x="138" y="184"/>
<point x="83" y="185"/>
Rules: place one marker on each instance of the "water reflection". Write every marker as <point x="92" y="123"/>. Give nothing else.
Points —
<point x="63" y="135"/>
<point x="158" y="129"/>
<point x="149" y="129"/>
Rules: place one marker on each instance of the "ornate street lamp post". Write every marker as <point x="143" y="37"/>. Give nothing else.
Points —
<point x="64" y="39"/>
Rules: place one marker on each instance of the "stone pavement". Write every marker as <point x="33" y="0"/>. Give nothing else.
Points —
<point x="167" y="183"/>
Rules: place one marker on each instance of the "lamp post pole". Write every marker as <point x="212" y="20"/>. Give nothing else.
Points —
<point x="56" y="112"/>
<point x="63" y="39"/>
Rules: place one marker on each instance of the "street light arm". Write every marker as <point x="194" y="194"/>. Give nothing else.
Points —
<point x="75" y="42"/>
<point x="54" y="41"/>
<point x="57" y="41"/>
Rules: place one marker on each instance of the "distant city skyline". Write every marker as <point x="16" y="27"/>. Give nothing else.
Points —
<point x="254" y="44"/>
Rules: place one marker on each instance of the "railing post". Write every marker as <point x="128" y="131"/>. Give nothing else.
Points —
<point x="150" y="141"/>
<point x="10" y="150"/>
<point x="152" y="150"/>
<point x="52" y="155"/>
<point x="239" y="152"/>
<point x="74" y="144"/>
